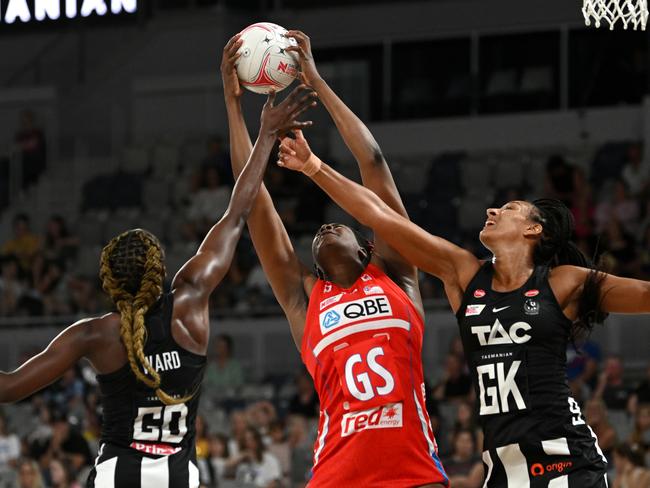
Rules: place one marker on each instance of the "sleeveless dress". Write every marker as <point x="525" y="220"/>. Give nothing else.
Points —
<point x="363" y="348"/>
<point x="145" y="443"/>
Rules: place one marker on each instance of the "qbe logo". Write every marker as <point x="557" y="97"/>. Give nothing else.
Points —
<point x="354" y="311"/>
<point x="384" y="417"/>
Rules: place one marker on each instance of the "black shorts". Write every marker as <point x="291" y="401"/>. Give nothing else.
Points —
<point x="119" y="467"/>
<point x="554" y="463"/>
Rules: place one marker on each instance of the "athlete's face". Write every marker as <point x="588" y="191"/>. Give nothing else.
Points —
<point x="333" y="245"/>
<point x="512" y="221"/>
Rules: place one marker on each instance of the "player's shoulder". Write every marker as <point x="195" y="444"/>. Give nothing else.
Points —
<point x="106" y="325"/>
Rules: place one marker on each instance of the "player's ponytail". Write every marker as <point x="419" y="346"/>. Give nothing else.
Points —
<point x="555" y="248"/>
<point x="132" y="274"/>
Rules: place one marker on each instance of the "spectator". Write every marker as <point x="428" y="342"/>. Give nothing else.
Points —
<point x="61" y="474"/>
<point x="210" y="202"/>
<point x="213" y="469"/>
<point x="596" y="416"/>
<point x="260" y="416"/>
<point x="11" y="288"/>
<point x="610" y="385"/>
<point x="238" y="426"/>
<point x="619" y="206"/>
<point x="67" y="441"/>
<point x="29" y="474"/>
<point x="582" y="368"/>
<point x="279" y="447"/>
<point x="455" y="384"/>
<point x="202" y="441"/>
<point x="642" y="393"/>
<point x="224" y="374"/>
<point x="620" y="247"/>
<point x="583" y="210"/>
<point x="59" y="245"/>
<point x="305" y="401"/>
<point x="301" y="444"/>
<point x="559" y="179"/>
<point x="630" y="469"/>
<point x="9" y="452"/>
<point x="24" y="245"/>
<point x="254" y="465"/>
<point x="466" y="420"/>
<point x="31" y="143"/>
<point x="641" y="433"/>
<point x="635" y="172"/>
<point x="217" y="157"/>
<point x="464" y="466"/>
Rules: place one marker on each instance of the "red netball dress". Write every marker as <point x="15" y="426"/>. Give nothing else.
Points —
<point x="363" y="348"/>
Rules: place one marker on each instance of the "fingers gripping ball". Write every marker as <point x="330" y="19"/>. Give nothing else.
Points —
<point x="264" y="63"/>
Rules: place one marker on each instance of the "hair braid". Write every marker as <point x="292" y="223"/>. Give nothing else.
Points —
<point x="132" y="273"/>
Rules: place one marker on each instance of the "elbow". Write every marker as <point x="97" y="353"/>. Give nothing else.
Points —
<point x="8" y="392"/>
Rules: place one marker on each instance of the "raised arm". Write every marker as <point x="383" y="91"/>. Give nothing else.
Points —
<point x="434" y="255"/>
<point x="290" y="280"/>
<point x="201" y="274"/>
<point x="375" y="172"/>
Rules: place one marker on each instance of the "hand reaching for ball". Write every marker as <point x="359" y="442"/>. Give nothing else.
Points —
<point x="282" y="118"/>
<point x="295" y="154"/>
<point x="308" y="69"/>
<point x="231" y="86"/>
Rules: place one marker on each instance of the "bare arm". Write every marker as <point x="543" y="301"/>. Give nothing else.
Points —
<point x="618" y="295"/>
<point x="290" y="280"/>
<point x="49" y="365"/>
<point x="375" y="172"/>
<point x="434" y="255"/>
<point x="196" y="280"/>
<point x="472" y="480"/>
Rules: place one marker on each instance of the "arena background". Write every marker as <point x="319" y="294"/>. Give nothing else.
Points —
<point x="117" y="121"/>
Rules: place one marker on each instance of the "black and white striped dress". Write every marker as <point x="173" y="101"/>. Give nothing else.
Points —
<point x="145" y="443"/>
<point x="515" y="343"/>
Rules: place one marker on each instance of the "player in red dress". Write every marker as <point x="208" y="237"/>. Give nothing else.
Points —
<point x="358" y="320"/>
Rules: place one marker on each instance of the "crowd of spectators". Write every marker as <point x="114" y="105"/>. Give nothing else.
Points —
<point x="266" y="439"/>
<point x="51" y="439"/>
<point x="37" y="274"/>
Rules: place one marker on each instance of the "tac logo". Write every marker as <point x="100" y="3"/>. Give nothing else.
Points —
<point x="493" y="335"/>
<point x="376" y="306"/>
<point x="331" y="319"/>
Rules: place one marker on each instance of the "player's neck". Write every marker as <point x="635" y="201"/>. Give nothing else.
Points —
<point x="512" y="267"/>
<point x="345" y="274"/>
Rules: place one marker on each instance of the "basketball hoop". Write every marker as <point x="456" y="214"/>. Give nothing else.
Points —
<point x="629" y="12"/>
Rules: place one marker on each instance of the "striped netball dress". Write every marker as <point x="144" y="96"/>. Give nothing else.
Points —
<point x="363" y="347"/>
<point x="145" y="443"/>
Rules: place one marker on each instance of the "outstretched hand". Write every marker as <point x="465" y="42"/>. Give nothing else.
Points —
<point x="282" y="118"/>
<point x="309" y="73"/>
<point x="295" y="154"/>
<point x="231" y="86"/>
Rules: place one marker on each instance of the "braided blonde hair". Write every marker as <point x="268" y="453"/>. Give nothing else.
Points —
<point x="132" y="272"/>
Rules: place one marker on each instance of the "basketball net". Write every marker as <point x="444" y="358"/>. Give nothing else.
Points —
<point x="629" y="12"/>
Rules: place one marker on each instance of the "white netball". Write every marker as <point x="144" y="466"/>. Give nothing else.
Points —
<point x="264" y="63"/>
